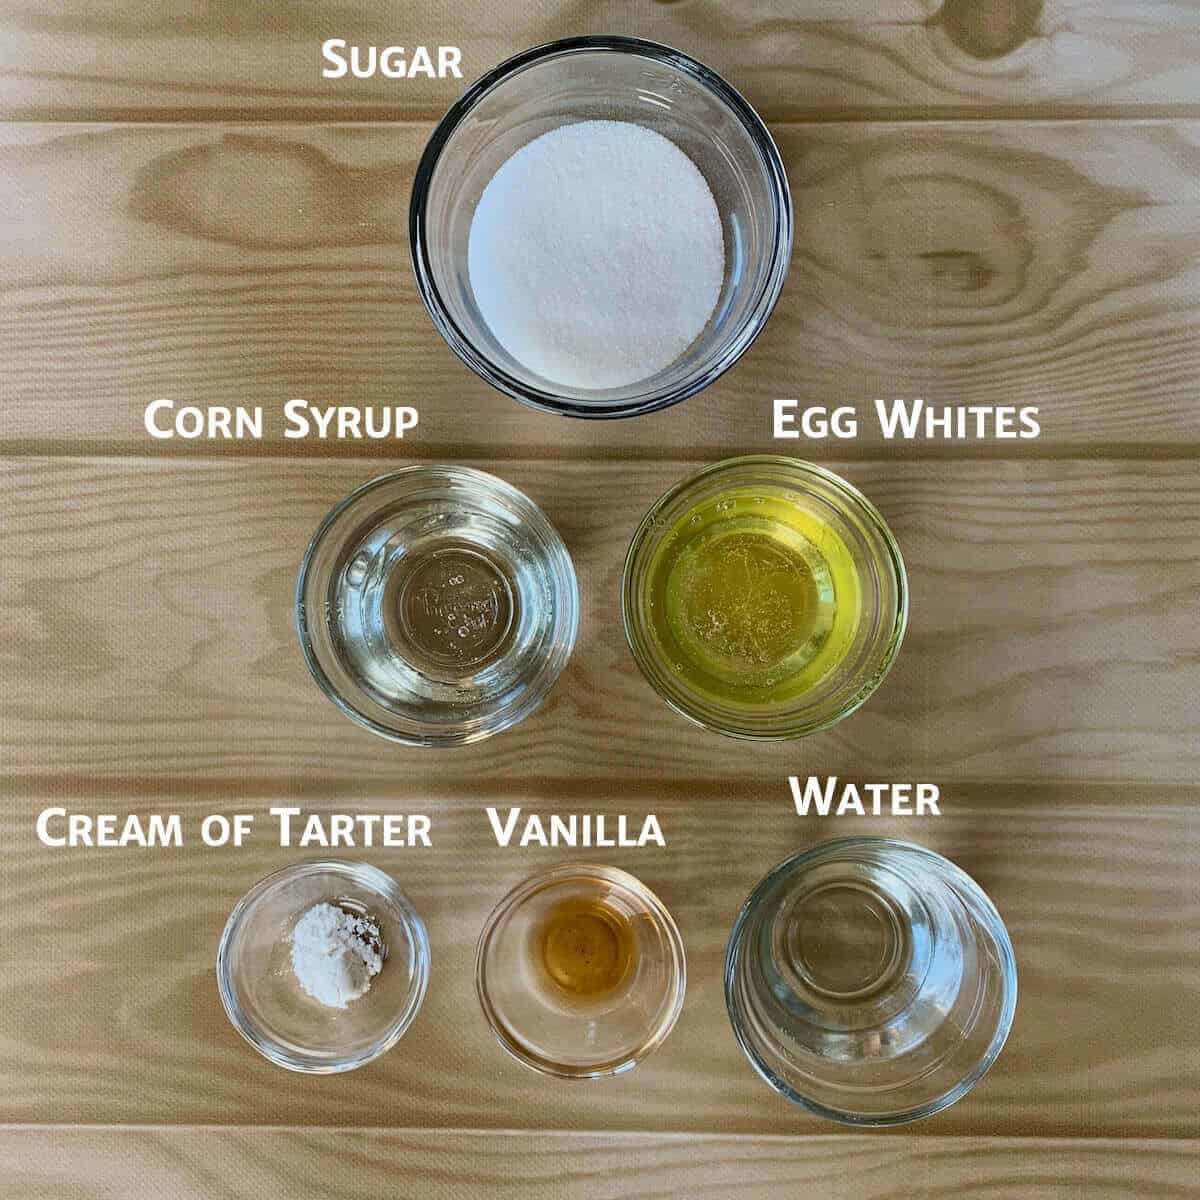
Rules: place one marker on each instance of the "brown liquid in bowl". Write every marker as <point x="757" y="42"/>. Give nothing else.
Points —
<point x="586" y="948"/>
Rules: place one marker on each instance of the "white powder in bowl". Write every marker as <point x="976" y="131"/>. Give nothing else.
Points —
<point x="596" y="254"/>
<point x="335" y="954"/>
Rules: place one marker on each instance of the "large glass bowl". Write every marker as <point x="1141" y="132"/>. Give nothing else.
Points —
<point x="604" y="78"/>
<point x="436" y="606"/>
<point x="870" y="980"/>
<point x="738" y="489"/>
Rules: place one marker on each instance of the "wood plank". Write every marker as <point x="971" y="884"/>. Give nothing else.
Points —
<point x="1043" y="264"/>
<point x="114" y="1164"/>
<point x="1046" y="255"/>
<point x="74" y="58"/>
<point x="1096" y="885"/>
<point x="148" y="604"/>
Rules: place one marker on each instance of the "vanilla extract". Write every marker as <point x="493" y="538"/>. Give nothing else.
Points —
<point x="587" y="947"/>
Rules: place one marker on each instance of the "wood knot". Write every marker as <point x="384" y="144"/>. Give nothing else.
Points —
<point x="989" y="29"/>
<point x="925" y="229"/>
<point x="959" y="270"/>
<point x="939" y="236"/>
<point x="263" y="192"/>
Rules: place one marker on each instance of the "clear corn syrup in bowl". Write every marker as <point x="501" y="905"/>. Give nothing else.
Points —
<point x="436" y="606"/>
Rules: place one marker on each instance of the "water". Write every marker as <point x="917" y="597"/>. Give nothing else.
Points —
<point x="843" y="956"/>
<point x="870" y="979"/>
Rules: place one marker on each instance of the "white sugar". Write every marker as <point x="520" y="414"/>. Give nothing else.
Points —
<point x="596" y="254"/>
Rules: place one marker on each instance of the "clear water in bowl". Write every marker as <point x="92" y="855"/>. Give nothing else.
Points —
<point x="870" y="980"/>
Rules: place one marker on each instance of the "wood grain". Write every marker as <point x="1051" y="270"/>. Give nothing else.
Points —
<point x="198" y="1164"/>
<point x="995" y="203"/>
<point x="75" y="58"/>
<point x="148" y="605"/>
<point x="1052" y="265"/>
<point x="1097" y="887"/>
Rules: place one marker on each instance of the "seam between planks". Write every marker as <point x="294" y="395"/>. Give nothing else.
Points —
<point x="599" y="455"/>
<point x="418" y="1131"/>
<point x="382" y="115"/>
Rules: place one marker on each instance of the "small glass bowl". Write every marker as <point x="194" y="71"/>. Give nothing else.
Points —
<point x="738" y="487"/>
<point x="265" y="1002"/>
<point x="603" y="78"/>
<point x="436" y="606"/>
<point x="870" y="981"/>
<point x="550" y="1032"/>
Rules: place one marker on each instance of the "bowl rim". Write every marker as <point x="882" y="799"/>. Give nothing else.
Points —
<point x="803" y="468"/>
<point x="433" y="740"/>
<point x="550" y="877"/>
<point x="461" y="344"/>
<point x="370" y="878"/>
<point x="995" y="924"/>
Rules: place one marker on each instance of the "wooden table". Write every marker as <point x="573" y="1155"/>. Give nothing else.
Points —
<point x="996" y="202"/>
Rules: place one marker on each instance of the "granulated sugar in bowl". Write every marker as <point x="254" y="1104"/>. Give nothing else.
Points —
<point x="596" y="254"/>
<point x="600" y="227"/>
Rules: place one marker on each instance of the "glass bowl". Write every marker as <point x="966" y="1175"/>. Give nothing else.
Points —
<point x="436" y="606"/>
<point x="265" y="1002"/>
<point x="557" y="1031"/>
<point x="870" y="981"/>
<point x="800" y="634"/>
<point x="604" y="78"/>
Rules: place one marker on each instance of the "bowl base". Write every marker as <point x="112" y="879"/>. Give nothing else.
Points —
<point x="450" y="609"/>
